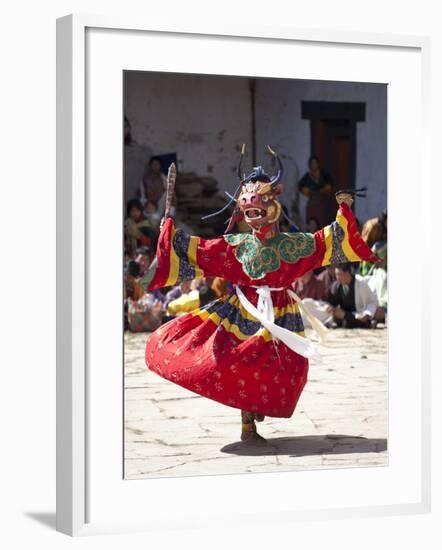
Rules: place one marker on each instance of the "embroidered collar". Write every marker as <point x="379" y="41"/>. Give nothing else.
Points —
<point x="258" y="258"/>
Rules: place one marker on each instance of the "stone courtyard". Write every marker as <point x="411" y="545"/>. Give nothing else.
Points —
<point x="341" y="419"/>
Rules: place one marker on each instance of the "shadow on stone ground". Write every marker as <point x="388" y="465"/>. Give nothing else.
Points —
<point x="308" y="446"/>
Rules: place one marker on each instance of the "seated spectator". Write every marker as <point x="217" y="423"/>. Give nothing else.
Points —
<point x="132" y="292"/>
<point x="144" y="315"/>
<point x="310" y="286"/>
<point x="312" y="292"/>
<point x="153" y="185"/>
<point x="312" y="225"/>
<point x="138" y="231"/>
<point x="151" y="214"/>
<point x="143" y="261"/>
<point x="376" y="277"/>
<point x="352" y="302"/>
<point x="176" y="292"/>
<point x="327" y="278"/>
<point x="159" y="296"/>
<point x="198" y="283"/>
<point x="375" y="230"/>
<point x="196" y="298"/>
<point x="132" y="288"/>
<point x="220" y="287"/>
<point x="186" y="303"/>
<point x="380" y="249"/>
<point x="206" y="295"/>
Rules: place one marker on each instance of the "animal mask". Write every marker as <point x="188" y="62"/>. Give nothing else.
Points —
<point x="258" y="196"/>
<point x="255" y="198"/>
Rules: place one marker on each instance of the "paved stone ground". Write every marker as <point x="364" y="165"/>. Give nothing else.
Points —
<point x="340" y="420"/>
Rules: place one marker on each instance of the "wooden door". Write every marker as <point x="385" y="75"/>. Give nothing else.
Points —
<point x="333" y="137"/>
<point x="333" y="142"/>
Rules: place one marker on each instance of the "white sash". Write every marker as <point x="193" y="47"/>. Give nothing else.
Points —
<point x="265" y="315"/>
<point x="320" y="329"/>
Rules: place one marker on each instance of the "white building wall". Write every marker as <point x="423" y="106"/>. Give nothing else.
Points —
<point x="279" y="123"/>
<point x="203" y="119"/>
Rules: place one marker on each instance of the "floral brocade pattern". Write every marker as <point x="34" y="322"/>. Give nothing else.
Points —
<point x="181" y="241"/>
<point x="338" y="256"/>
<point x="258" y="259"/>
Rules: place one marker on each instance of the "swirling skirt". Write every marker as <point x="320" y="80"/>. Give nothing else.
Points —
<point x="221" y="352"/>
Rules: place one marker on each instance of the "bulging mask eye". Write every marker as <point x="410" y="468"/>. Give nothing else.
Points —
<point x="265" y="198"/>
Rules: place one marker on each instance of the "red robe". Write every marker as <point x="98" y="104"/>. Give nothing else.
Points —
<point x="221" y="351"/>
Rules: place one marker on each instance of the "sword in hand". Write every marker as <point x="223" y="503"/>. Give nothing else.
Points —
<point x="170" y="189"/>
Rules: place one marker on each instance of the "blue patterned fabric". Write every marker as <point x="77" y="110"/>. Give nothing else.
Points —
<point x="181" y="243"/>
<point x="337" y="256"/>
<point x="226" y="310"/>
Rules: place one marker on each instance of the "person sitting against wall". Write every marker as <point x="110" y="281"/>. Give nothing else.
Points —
<point x="317" y="186"/>
<point x="152" y="186"/>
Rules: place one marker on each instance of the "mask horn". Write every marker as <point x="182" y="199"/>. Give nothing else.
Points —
<point x="280" y="173"/>
<point x="243" y="150"/>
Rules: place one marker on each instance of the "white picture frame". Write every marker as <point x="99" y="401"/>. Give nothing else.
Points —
<point x="90" y="498"/>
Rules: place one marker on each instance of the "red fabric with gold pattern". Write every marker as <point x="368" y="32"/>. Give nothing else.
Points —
<point x="222" y="352"/>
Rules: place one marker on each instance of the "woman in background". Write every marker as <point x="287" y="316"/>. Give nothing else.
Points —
<point x="317" y="186"/>
<point x="153" y="185"/>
